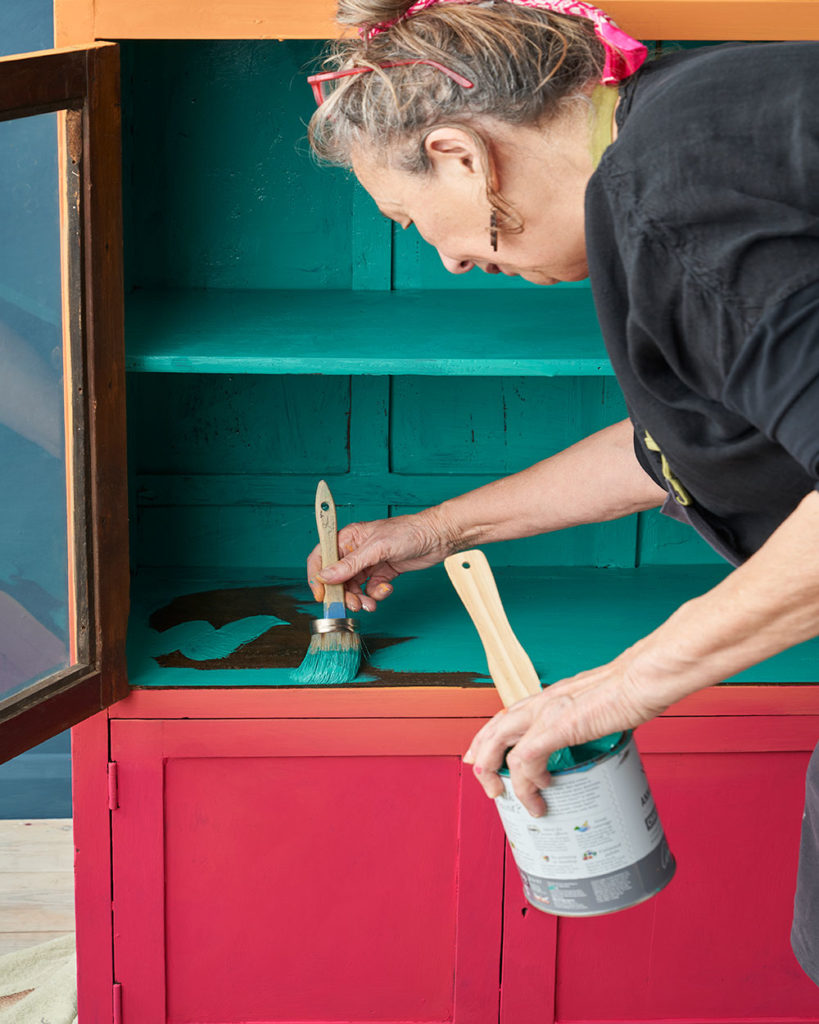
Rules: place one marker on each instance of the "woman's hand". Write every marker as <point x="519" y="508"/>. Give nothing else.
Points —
<point x="573" y="711"/>
<point x="768" y="604"/>
<point x="374" y="553"/>
<point x="564" y="490"/>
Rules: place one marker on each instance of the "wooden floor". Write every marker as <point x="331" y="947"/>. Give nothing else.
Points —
<point x="36" y="882"/>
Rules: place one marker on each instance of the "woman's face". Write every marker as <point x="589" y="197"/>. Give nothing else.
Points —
<point x="449" y="207"/>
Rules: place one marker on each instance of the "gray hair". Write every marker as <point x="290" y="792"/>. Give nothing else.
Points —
<point x="524" y="62"/>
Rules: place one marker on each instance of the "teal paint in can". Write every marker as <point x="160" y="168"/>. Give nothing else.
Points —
<point x="600" y="847"/>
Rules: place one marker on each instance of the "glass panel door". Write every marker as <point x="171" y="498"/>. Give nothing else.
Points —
<point x="37" y="538"/>
<point x="63" y="520"/>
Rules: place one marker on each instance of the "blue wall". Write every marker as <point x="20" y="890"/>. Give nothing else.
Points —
<point x="37" y="784"/>
<point x="25" y="25"/>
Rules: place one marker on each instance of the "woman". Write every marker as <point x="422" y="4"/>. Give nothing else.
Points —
<point x="524" y="137"/>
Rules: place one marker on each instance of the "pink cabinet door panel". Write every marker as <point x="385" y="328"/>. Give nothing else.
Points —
<point x="303" y="870"/>
<point x="715" y="944"/>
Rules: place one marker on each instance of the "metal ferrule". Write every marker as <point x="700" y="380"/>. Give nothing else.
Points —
<point x="333" y="626"/>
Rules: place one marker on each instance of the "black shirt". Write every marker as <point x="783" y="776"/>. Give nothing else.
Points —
<point x="702" y="229"/>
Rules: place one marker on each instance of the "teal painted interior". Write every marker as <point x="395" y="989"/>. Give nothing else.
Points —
<point x="279" y="330"/>
<point x="543" y="332"/>
<point x="567" y="619"/>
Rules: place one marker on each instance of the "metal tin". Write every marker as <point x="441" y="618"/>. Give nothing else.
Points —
<point x="333" y="626"/>
<point x="600" y="847"/>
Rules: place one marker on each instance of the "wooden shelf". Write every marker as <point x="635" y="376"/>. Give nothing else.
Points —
<point x="467" y="333"/>
<point x="568" y="619"/>
<point x="81" y="20"/>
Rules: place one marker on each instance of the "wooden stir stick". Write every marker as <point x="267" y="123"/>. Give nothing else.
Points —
<point x="511" y="670"/>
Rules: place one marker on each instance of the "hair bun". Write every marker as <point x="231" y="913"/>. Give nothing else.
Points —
<point x="366" y="13"/>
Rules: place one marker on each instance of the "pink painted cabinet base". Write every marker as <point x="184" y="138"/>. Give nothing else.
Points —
<point x="315" y="865"/>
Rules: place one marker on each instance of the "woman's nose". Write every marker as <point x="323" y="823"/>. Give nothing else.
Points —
<point x="456" y="266"/>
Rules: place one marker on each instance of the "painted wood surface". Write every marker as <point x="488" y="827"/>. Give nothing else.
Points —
<point x="714" y="945"/>
<point x="92" y="868"/>
<point x="225" y="467"/>
<point x="479" y="703"/>
<point x="330" y="858"/>
<point x="224" y="463"/>
<point x="567" y="620"/>
<point x="528" y="976"/>
<point x="221" y="191"/>
<point x="477" y="333"/>
<point x="228" y="820"/>
<point x="240" y="19"/>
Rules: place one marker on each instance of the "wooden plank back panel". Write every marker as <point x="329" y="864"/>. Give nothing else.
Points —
<point x="81" y="20"/>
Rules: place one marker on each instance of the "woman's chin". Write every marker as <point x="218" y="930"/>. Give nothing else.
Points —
<point x="541" y="277"/>
<point x="535" y="277"/>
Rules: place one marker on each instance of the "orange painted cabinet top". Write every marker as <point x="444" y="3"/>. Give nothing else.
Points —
<point x="79" y="21"/>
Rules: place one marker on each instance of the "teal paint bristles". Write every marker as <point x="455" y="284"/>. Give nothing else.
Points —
<point x="334" y="654"/>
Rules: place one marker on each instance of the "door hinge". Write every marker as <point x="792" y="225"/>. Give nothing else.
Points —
<point x="117" y="1003"/>
<point x="113" y="787"/>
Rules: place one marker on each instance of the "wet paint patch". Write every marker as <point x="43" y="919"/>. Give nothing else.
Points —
<point x="265" y="627"/>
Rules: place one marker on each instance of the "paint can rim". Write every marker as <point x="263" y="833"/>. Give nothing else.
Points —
<point x="586" y="765"/>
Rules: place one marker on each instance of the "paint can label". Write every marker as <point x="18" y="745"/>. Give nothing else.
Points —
<point x="600" y="846"/>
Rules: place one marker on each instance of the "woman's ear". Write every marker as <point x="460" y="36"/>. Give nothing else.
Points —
<point x="452" y="150"/>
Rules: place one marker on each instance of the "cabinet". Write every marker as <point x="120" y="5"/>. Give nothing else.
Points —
<point x="251" y="851"/>
<point x="310" y="855"/>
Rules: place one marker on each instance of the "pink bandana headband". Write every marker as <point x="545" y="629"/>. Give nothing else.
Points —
<point x="624" y="55"/>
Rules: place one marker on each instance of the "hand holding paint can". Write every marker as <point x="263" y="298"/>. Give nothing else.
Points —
<point x="600" y="847"/>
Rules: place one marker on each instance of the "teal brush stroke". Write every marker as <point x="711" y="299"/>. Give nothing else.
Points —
<point x="200" y="641"/>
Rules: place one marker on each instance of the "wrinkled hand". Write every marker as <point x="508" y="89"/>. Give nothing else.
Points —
<point x="577" y="710"/>
<point x="374" y="553"/>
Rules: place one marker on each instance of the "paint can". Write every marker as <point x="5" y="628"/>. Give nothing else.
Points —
<point x="600" y="847"/>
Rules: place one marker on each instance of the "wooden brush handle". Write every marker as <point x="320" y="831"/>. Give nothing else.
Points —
<point x="512" y="672"/>
<point x="328" y="539"/>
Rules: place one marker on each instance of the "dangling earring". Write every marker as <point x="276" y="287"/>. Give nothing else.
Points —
<point x="493" y="229"/>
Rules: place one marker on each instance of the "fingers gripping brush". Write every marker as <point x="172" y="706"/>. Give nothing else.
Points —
<point x="334" y="654"/>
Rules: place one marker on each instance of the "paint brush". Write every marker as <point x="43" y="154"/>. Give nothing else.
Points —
<point x="334" y="654"/>
<point x="511" y="670"/>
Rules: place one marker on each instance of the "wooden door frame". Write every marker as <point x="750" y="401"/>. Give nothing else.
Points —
<point x="84" y="81"/>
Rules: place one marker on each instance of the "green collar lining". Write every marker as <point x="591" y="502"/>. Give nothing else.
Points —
<point x="604" y="99"/>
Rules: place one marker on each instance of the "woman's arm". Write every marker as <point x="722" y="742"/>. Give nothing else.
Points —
<point x="768" y="604"/>
<point x="598" y="478"/>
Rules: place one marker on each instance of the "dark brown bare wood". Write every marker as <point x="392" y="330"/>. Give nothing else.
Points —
<point x="85" y="83"/>
<point x="50" y="716"/>
<point x="41" y="82"/>
<point x="77" y="392"/>
<point x="104" y="326"/>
